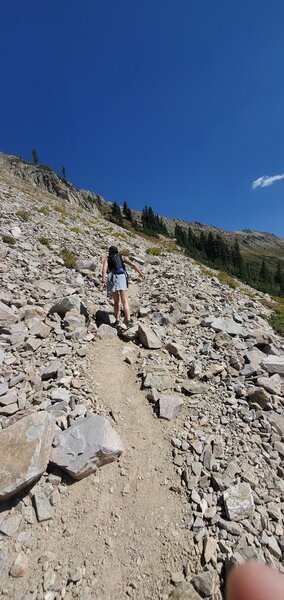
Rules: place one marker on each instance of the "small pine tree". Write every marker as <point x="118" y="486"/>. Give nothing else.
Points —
<point x="35" y="156"/>
<point x="126" y="212"/>
<point x="279" y="278"/>
<point x="116" y="216"/>
<point x="63" y="173"/>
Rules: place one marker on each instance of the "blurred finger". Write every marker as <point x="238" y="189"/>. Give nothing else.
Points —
<point x="253" y="581"/>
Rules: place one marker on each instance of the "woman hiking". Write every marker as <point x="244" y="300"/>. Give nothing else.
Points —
<point x="115" y="279"/>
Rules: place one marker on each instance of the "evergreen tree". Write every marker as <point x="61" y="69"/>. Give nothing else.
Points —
<point x="237" y="259"/>
<point x="279" y="277"/>
<point x="63" y="173"/>
<point x="264" y="276"/>
<point x="35" y="156"/>
<point x="127" y="212"/>
<point x="116" y="216"/>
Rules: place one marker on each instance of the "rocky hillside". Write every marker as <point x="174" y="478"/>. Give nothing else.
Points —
<point x="187" y="407"/>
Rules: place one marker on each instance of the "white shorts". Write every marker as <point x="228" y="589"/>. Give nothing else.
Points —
<point x="116" y="283"/>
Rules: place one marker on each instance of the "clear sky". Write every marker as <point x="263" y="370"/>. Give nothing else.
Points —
<point x="178" y="104"/>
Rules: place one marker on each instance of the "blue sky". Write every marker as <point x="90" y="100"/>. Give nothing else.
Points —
<point x="178" y="104"/>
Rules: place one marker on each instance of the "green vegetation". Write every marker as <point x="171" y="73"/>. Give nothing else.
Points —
<point x="44" y="241"/>
<point x="8" y="239"/>
<point x="35" y="156"/>
<point x="152" y="224"/>
<point x="61" y="210"/>
<point x="154" y="251"/>
<point x="214" y="251"/>
<point x="127" y="214"/>
<point x="116" y="216"/>
<point x="23" y="214"/>
<point x="76" y="229"/>
<point x="228" y="279"/>
<point x="69" y="257"/>
<point x="43" y="210"/>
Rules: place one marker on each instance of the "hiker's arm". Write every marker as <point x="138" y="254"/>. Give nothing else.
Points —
<point x="134" y="266"/>
<point x="104" y="271"/>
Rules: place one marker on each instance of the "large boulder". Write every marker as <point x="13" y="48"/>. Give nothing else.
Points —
<point x="66" y="304"/>
<point x="24" y="452"/>
<point x="228" y="326"/>
<point x="7" y="315"/>
<point x="148" y="338"/>
<point x="86" y="446"/>
<point x="169" y="407"/>
<point x="273" y="364"/>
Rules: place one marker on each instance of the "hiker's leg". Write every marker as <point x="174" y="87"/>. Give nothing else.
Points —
<point x="124" y="300"/>
<point x="116" y="305"/>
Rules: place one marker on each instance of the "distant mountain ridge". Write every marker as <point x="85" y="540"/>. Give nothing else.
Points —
<point x="252" y="243"/>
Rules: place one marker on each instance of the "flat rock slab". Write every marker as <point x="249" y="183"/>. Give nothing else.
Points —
<point x="66" y="304"/>
<point x="24" y="452"/>
<point x="184" y="591"/>
<point x="86" y="446"/>
<point x="277" y="421"/>
<point x="192" y="387"/>
<point x="106" y="331"/>
<point x="228" y="326"/>
<point x="274" y="364"/>
<point x="169" y="407"/>
<point x="7" y="315"/>
<point x="149" y="338"/>
<point x="238" y="502"/>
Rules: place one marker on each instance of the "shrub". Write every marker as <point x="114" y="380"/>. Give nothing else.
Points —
<point x="8" y="239"/>
<point x="44" y="241"/>
<point x="76" y="229"/>
<point x="62" y="210"/>
<point x="43" y="210"/>
<point x="225" y="278"/>
<point x="23" y="214"/>
<point x="154" y="251"/>
<point x="69" y="257"/>
<point x="276" y="320"/>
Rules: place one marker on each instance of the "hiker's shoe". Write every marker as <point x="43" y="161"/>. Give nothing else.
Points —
<point x="116" y="324"/>
<point x="129" y="323"/>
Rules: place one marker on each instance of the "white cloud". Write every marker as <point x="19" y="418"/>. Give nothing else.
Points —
<point x="265" y="181"/>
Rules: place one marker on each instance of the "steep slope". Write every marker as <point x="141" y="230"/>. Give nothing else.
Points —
<point x="194" y="492"/>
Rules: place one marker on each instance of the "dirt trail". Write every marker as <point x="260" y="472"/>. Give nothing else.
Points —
<point x="136" y="520"/>
<point x="124" y="525"/>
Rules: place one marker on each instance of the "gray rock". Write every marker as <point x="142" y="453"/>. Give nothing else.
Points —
<point x="271" y="384"/>
<point x="184" y="591"/>
<point x="3" y="388"/>
<point x="86" y="446"/>
<point x="106" y="331"/>
<point x="260" y="396"/>
<point x="204" y="583"/>
<point x="24" y="452"/>
<point x="7" y="315"/>
<point x="44" y="510"/>
<point x="228" y="326"/>
<point x="238" y="502"/>
<point x="148" y="338"/>
<point x="277" y="421"/>
<point x="10" y="525"/>
<point x="273" y="364"/>
<point x="190" y="387"/>
<point x="169" y="407"/>
<point x="53" y="371"/>
<point x="66" y="304"/>
<point x="60" y="394"/>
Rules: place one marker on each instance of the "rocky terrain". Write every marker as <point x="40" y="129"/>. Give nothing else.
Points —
<point x="139" y="466"/>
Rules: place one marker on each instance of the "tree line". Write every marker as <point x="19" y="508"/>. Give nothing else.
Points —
<point x="214" y="251"/>
<point x="150" y="224"/>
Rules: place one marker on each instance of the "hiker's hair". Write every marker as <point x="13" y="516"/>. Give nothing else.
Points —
<point x="113" y="250"/>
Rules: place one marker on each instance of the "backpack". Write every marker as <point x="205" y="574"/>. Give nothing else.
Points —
<point x="116" y="264"/>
